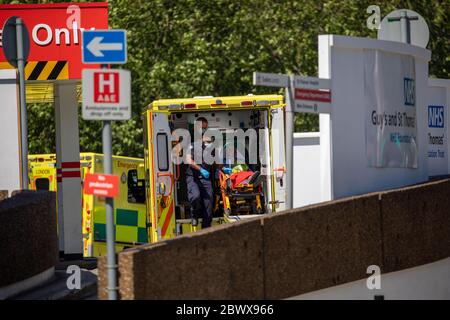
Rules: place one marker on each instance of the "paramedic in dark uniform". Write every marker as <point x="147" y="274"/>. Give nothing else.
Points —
<point x="198" y="180"/>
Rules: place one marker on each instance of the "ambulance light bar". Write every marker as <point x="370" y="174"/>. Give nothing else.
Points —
<point x="266" y="102"/>
<point x="218" y="104"/>
<point x="263" y="103"/>
<point x="170" y="107"/>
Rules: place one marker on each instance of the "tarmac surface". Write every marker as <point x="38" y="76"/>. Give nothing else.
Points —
<point x="57" y="289"/>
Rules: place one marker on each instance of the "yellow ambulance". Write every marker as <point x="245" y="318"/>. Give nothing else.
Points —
<point x="167" y="205"/>
<point x="129" y="207"/>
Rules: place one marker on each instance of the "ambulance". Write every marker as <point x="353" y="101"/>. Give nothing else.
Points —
<point x="129" y="207"/>
<point x="165" y="183"/>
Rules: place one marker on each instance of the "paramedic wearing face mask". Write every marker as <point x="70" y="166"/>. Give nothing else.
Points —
<point x="198" y="180"/>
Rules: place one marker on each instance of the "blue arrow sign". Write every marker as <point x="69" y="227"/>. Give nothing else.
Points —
<point x="104" y="46"/>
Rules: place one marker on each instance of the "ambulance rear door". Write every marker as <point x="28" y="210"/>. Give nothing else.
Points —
<point x="159" y="176"/>
<point x="43" y="177"/>
<point x="278" y="159"/>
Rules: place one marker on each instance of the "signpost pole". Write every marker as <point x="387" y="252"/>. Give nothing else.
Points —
<point x="23" y="106"/>
<point x="111" y="265"/>
<point x="405" y="27"/>
<point x="289" y="132"/>
<point x="109" y="202"/>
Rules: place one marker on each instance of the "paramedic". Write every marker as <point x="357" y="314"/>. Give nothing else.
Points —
<point x="198" y="180"/>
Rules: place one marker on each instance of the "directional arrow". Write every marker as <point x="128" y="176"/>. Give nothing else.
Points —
<point x="96" y="46"/>
<point x="104" y="46"/>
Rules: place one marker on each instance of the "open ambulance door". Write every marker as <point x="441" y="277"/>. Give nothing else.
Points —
<point x="159" y="176"/>
<point x="278" y="160"/>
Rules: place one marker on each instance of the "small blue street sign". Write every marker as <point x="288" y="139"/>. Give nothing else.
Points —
<point x="104" y="46"/>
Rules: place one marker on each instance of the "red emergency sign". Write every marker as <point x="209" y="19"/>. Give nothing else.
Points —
<point x="312" y="95"/>
<point x="106" y="87"/>
<point x="103" y="185"/>
<point x="55" y="30"/>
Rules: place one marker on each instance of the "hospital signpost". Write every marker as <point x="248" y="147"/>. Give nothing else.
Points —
<point x="106" y="97"/>
<point x="312" y="95"/>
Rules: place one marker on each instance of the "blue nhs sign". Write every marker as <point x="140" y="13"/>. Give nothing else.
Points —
<point x="409" y="90"/>
<point x="436" y="116"/>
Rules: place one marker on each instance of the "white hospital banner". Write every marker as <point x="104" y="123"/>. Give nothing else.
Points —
<point x="391" y="124"/>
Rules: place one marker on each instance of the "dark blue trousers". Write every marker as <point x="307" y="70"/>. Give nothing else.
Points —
<point x="200" y="196"/>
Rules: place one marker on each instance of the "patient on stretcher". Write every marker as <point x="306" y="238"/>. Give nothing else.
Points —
<point x="240" y="172"/>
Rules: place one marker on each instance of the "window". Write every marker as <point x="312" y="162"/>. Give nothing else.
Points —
<point x="163" y="152"/>
<point x="43" y="184"/>
<point x="136" y="187"/>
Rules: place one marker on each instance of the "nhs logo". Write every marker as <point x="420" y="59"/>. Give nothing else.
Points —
<point x="409" y="89"/>
<point x="436" y="116"/>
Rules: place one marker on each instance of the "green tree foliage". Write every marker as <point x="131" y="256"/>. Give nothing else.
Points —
<point x="211" y="47"/>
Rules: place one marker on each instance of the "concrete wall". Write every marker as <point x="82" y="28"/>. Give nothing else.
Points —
<point x="10" y="170"/>
<point x="294" y="252"/>
<point x="307" y="187"/>
<point x="27" y="236"/>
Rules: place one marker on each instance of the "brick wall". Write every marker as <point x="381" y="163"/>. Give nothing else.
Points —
<point x="293" y="252"/>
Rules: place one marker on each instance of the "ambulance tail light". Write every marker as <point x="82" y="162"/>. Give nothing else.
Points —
<point x="190" y="106"/>
<point x="246" y="103"/>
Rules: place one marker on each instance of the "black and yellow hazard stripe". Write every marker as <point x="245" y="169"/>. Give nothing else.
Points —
<point x="43" y="70"/>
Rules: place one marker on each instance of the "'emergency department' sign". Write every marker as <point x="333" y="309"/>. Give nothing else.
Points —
<point x="106" y="94"/>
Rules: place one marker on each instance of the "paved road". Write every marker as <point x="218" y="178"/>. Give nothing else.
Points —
<point x="56" y="289"/>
